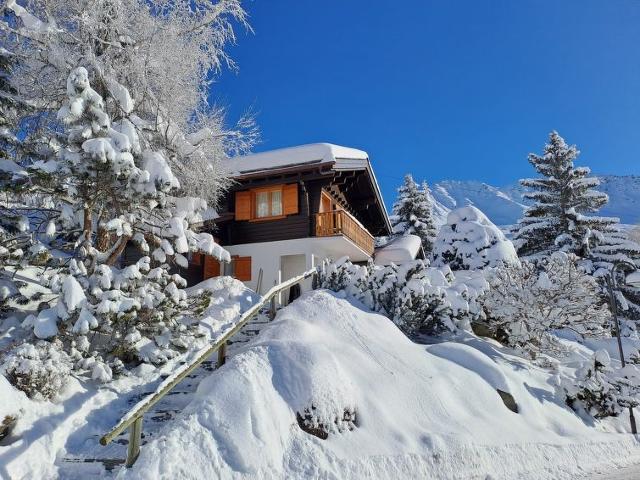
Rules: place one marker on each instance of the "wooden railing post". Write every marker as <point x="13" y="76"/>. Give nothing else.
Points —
<point x="272" y="308"/>
<point x="135" y="436"/>
<point x="222" y="355"/>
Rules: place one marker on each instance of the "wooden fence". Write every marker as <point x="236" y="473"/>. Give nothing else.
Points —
<point x="133" y="419"/>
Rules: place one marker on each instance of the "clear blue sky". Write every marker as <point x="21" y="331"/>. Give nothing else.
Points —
<point x="447" y="89"/>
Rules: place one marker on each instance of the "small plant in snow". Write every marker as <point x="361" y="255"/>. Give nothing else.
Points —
<point x="470" y="241"/>
<point x="526" y="302"/>
<point x="601" y="390"/>
<point x="40" y="370"/>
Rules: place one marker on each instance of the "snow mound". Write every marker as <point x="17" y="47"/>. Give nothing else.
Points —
<point x="399" y="250"/>
<point x="422" y="412"/>
<point x="470" y="241"/>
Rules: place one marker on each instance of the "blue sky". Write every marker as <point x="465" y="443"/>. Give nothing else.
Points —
<point x="449" y="89"/>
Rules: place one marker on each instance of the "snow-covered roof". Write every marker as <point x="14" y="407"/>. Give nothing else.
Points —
<point x="340" y="158"/>
<point x="399" y="250"/>
<point x="314" y="153"/>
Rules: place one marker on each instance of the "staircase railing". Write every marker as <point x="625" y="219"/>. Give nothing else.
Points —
<point x="133" y="419"/>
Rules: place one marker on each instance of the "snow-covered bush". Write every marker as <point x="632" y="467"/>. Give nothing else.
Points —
<point x="470" y="241"/>
<point x="602" y="391"/>
<point x="40" y="370"/>
<point x="526" y="302"/>
<point x="416" y="297"/>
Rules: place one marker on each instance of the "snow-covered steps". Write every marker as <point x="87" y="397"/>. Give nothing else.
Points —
<point x="93" y="459"/>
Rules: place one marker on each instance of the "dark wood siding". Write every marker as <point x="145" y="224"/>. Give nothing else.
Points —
<point x="292" y="226"/>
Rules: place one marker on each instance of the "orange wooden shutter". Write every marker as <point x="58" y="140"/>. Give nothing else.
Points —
<point x="243" y="205"/>
<point x="196" y="259"/>
<point x="242" y="268"/>
<point x="211" y="267"/>
<point x="290" y="199"/>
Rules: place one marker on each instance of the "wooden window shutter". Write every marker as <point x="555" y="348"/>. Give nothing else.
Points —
<point x="211" y="267"/>
<point x="243" y="205"/>
<point x="290" y="199"/>
<point x="242" y="268"/>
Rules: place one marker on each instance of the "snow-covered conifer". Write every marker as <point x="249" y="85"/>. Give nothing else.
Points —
<point x="470" y="241"/>
<point x="564" y="196"/>
<point x="412" y="213"/>
<point x="107" y="191"/>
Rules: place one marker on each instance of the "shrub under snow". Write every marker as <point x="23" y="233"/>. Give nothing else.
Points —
<point x="470" y="241"/>
<point x="40" y="370"/>
<point x="526" y="302"/>
<point x="601" y="390"/>
<point x="416" y="297"/>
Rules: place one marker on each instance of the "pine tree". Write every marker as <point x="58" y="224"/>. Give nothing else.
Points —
<point x="413" y="213"/>
<point x="107" y="190"/>
<point x="563" y="197"/>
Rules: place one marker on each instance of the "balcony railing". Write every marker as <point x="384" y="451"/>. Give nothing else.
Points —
<point x="340" y="222"/>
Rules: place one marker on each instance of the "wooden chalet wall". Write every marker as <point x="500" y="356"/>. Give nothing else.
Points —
<point x="299" y="225"/>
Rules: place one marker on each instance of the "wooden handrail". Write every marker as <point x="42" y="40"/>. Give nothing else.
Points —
<point x="133" y="419"/>
<point x="341" y="222"/>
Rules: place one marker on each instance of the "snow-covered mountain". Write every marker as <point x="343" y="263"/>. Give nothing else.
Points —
<point x="504" y="205"/>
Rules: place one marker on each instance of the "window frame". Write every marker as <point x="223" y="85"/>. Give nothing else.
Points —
<point x="254" y="203"/>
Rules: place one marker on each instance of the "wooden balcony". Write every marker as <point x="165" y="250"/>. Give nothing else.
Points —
<point x="340" y="222"/>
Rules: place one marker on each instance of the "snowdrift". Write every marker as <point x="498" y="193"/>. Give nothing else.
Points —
<point x="421" y="411"/>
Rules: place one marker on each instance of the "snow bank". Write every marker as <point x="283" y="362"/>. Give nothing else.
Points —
<point x="421" y="412"/>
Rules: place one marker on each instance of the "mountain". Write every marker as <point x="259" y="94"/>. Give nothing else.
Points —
<point x="504" y="205"/>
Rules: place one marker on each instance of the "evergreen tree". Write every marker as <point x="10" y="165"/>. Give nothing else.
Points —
<point x="413" y="213"/>
<point x="106" y="190"/>
<point x="563" y="197"/>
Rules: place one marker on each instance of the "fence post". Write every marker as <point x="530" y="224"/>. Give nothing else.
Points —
<point x="272" y="308"/>
<point x="222" y="355"/>
<point x="135" y="435"/>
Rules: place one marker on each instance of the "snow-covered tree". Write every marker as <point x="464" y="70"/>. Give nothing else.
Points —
<point x="105" y="192"/>
<point x="526" y="302"/>
<point x="564" y="196"/>
<point x="153" y="61"/>
<point x="412" y="213"/>
<point x="470" y="241"/>
<point x="601" y="390"/>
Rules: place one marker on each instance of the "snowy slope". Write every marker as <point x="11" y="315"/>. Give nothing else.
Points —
<point x="503" y="205"/>
<point x="421" y="411"/>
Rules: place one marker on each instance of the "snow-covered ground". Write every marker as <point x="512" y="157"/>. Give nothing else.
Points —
<point x="420" y="411"/>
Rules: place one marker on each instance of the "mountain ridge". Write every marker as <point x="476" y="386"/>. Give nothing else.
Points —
<point x="505" y="205"/>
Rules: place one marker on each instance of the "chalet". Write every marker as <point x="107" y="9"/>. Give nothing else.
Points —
<point x="291" y="208"/>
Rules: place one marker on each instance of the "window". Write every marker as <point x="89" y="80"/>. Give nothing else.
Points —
<point x="269" y="203"/>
